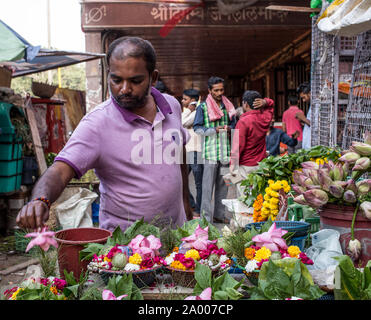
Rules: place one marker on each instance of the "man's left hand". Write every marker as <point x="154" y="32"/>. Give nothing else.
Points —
<point x="259" y="103"/>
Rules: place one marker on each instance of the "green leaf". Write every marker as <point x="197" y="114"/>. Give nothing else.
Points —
<point x="217" y="282"/>
<point x="90" y="249"/>
<point x="69" y="277"/>
<point x="74" y="290"/>
<point x="233" y="294"/>
<point x="203" y="275"/>
<point x="220" y="295"/>
<point x="229" y="282"/>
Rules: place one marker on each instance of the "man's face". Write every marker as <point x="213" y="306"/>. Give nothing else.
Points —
<point x="129" y="82"/>
<point x="217" y="91"/>
<point x="186" y="101"/>
<point x="304" y="96"/>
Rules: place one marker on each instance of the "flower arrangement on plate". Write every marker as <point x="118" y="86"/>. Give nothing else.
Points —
<point x="270" y="245"/>
<point x="50" y="288"/>
<point x="141" y="254"/>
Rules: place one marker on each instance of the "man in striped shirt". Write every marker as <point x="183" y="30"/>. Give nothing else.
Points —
<point x="214" y="120"/>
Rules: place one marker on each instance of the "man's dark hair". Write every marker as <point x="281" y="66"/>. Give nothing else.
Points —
<point x="293" y="100"/>
<point x="304" y="88"/>
<point x="138" y="48"/>
<point x="214" y="80"/>
<point x="249" y="96"/>
<point x="192" y="93"/>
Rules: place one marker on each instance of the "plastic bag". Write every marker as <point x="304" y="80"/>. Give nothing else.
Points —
<point x="325" y="245"/>
<point x="242" y="214"/>
<point x="73" y="208"/>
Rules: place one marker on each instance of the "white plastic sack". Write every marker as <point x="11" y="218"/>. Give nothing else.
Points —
<point x="346" y="18"/>
<point x="325" y="245"/>
<point x="241" y="213"/>
<point x="73" y="208"/>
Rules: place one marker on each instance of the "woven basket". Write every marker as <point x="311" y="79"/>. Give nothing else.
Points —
<point x="43" y="90"/>
<point x="143" y="278"/>
<point x="186" y="278"/>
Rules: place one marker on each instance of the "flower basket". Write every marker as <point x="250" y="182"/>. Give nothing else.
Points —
<point x="186" y="278"/>
<point x="43" y="90"/>
<point x="141" y="278"/>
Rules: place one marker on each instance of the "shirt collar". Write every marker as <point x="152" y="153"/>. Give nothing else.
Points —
<point x="160" y="101"/>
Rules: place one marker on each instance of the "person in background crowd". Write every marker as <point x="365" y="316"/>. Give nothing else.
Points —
<point x="304" y="94"/>
<point x="214" y="120"/>
<point x="106" y="139"/>
<point x="193" y="147"/>
<point x="291" y="122"/>
<point x="275" y="136"/>
<point x="248" y="147"/>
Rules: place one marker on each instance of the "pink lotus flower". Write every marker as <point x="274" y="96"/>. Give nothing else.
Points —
<point x="199" y="239"/>
<point x="108" y="295"/>
<point x="145" y="246"/>
<point x="44" y="239"/>
<point x="204" y="295"/>
<point x="272" y="239"/>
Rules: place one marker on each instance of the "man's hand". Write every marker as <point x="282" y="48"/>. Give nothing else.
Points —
<point x="259" y="103"/>
<point x="33" y="215"/>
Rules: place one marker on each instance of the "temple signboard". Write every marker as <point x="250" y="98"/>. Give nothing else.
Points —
<point x="102" y="15"/>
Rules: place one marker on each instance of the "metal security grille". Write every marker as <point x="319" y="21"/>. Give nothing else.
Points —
<point x="358" y="112"/>
<point x="331" y="72"/>
<point x="322" y="87"/>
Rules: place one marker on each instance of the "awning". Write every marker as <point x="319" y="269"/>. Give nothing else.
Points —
<point x="22" y="58"/>
<point x="49" y="59"/>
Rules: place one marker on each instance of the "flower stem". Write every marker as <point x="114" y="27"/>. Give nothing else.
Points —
<point x="354" y="219"/>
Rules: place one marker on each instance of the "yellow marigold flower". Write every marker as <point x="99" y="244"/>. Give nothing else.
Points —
<point x="135" y="259"/>
<point x="106" y="259"/>
<point x="287" y="189"/>
<point x="275" y="186"/>
<point x="273" y="206"/>
<point x="249" y="253"/>
<point x="284" y="183"/>
<point x="14" y="295"/>
<point x="263" y="253"/>
<point x="293" y="251"/>
<point x="274" y="201"/>
<point x="268" y="190"/>
<point x="53" y="290"/>
<point x="273" y="217"/>
<point x="192" y="254"/>
<point x="177" y="265"/>
<point x="274" y="212"/>
<point x="274" y="194"/>
<point x="267" y="196"/>
<point x="266" y="204"/>
<point x="270" y="181"/>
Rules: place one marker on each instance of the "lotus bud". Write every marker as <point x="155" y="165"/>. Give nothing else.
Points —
<point x="298" y="189"/>
<point x="315" y="186"/>
<point x="351" y="185"/>
<point x="366" y="209"/>
<point x="306" y="172"/>
<point x="300" y="199"/>
<point x="331" y="164"/>
<point x="316" y="197"/>
<point x="354" y="249"/>
<point x="336" y="190"/>
<point x="313" y="174"/>
<point x="362" y="164"/>
<point x="338" y="172"/>
<point x="363" y="187"/>
<point x="342" y="184"/>
<point x="356" y="174"/>
<point x="363" y="149"/>
<point x="308" y="182"/>
<point x="310" y="165"/>
<point x="367" y="137"/>
<point x="350" y="157"/>
<point x="298" y="178"/>
<point x="345" y="169"/>
<point x="119" y="260"/>
<point x="349" y="196"/>
<point x="324" y="180"/>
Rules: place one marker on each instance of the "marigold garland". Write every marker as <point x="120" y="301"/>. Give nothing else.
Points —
<point x="249" y="253"/>
<point x="257" y="205"/>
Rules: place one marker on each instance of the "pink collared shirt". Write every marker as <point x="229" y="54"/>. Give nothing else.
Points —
<point x="292" y="123"/>
<point x="136" y="161"/>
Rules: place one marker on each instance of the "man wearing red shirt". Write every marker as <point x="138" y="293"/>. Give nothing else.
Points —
<point x="249" y="146"/>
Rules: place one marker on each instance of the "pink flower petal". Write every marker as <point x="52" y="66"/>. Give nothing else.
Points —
<point x="108" y="295"/>
<point x="206" y="294"/>
<point x="191" y="298"/>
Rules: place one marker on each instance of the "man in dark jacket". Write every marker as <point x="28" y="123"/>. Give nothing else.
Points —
<point x="275" y="136"/>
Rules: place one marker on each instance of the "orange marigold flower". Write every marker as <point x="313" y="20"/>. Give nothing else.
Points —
<point x="249" y="253"/>
<point x="54" y="290"/>
<point x="176" y="249"/>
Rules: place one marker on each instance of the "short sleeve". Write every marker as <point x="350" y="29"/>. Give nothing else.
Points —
<point x="81" y="151"/>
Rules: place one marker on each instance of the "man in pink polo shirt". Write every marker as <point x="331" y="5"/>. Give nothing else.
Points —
<point x="134" y="141"/>
<point x="291" y="122"/>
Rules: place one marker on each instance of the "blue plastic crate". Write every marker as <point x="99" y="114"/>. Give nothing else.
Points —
<point x="300" y="228"/>
<point x="299" y="241"/>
